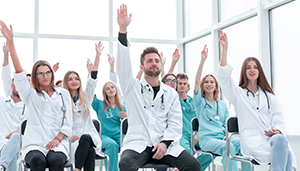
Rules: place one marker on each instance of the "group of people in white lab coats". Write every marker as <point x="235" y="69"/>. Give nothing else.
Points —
<point x="158" y="112"/>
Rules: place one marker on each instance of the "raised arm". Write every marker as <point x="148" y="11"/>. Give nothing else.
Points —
<point x="139" y="75"/>
<point x="9" y="35"/>
<point x="175" y="59"/>
<point x="224" y="42"/>
<point x="163" y="61"/>
<point x="55" y="67"/>
<point x="200" y="68"/>
<point x="111" y="61"/>
<point x="5" y="51"/>
<point x="123" y="19"/>
<point x="99" y="47"/>
<point x="89" y="66"/>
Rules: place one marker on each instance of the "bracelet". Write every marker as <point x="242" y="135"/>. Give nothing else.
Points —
<point x="57" y="139"/>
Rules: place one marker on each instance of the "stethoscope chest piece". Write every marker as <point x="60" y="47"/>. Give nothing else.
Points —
<point x="63" y="108"/>
<point x="217" y="118"/>
<point x="162" y="106"/>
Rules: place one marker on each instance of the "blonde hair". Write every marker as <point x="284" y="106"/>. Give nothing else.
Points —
<point x="105" y="98"/>
<point x="84" y="104"/>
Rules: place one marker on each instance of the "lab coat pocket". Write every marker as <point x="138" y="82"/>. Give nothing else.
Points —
<point x="253" y="139"/>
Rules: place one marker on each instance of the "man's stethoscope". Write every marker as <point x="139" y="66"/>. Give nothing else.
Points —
<point x="162" y="104"/>
<point x="192" y="109"/>
<point x="217" y="114"/>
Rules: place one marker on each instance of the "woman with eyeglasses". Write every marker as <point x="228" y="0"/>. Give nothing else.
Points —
<point x="85" y="139"/>
<point x="262" y="128"/>
<point x="49" y="124"/>
<point x="110" y="111"/>
<point x="212" y="114"/>
<point x="170" y="80"/>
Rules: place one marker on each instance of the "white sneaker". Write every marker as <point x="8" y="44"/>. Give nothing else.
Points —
<point x="2" y="168"/>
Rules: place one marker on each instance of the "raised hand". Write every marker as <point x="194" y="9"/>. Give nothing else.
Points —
<point x="163" y="59"/>
<point x="5" y="48"/>
<point x="55" y="67"/>
<point x="223" y="39"/>
<point x="204" y="52"/>
<point x="111" y="60"/>
<point x="99" y="47"/>
<point x="7" y="33"/>
<point x="89" y="65"/>
<point x="123" y="18"/>
<point x="176" y="56"/>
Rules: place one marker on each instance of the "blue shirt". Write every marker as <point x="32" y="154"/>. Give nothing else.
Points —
<point x="110" y="119"/>
<point x="188" y="113"/>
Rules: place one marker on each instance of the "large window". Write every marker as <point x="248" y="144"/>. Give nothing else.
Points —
<point x="197" y="16"/>
<point x="285" y="57"/>
<point x="231" y="8"/>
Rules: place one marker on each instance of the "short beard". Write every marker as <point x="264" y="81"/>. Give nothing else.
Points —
<point x="152" y="74"/>
<point x="16" y="94"/>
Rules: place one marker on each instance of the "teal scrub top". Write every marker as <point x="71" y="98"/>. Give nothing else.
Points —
<point x="209" y="127"/>
<point x="188" y="113"/>
<point x="110" y="120"/>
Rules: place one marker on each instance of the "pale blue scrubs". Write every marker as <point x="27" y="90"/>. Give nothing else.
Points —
<point x="212" y="131"/>
<point x="110" y="131"/>
<point x="188" y="113"/>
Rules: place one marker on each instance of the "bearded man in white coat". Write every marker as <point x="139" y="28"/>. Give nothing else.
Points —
<point x="154" y="112"/>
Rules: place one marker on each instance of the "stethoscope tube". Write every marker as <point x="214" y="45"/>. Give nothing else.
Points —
<point x="265" y="95"/>
<point x="217" y="117"/>
<point x="162" y="105"/>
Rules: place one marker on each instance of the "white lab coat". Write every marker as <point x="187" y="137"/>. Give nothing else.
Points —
<point x="46" y="118"/>
<point x="253" y="122"/>
<point x="151" y="125"/>
<point x="7" y="80"/>
<point x="84" y="125"/>
<point x="11" y="116"/>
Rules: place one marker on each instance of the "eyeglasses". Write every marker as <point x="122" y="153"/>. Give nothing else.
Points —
<point x="41" y="74"/>
<point x="173" y="81"/>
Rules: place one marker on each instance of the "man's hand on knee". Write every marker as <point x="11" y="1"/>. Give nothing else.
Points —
<point x="160" y="149"/>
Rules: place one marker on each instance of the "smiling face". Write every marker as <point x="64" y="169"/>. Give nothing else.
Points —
<point x="73" y="81"/>
<point x="152" y="64"/>
<point x="252" y="72"/>
<point x="110" y="90"/>
<point x="209" y="84"/>
<point x="44" y="75"/>
<point x="171" y="81"/>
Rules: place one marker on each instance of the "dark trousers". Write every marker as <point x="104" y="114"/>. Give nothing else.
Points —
<point x="132" y="161"/>
<point x="37" y="161"/>
<point x="85" y="153"/>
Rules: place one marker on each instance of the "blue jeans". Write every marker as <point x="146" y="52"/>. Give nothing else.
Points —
<point x="281" y="157"/>
<point x="9" y="153"/>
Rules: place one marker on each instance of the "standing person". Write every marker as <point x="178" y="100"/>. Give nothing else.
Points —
<point x="45" y="142"/>
<point x="154" y="115"/>
<point x="12" y="113"/>
<point x="85" y="139"/>
<point x="212" y="114"/>
<point x="110" y="111"/>
<point x="261" y="122"/>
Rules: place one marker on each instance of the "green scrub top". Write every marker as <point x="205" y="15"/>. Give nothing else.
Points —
<point x="110" y="120"/>
<point x="188" y="113"/>
<point x="209" y="127"/>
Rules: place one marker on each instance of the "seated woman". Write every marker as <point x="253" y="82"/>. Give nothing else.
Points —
<point x="110" y="112"/>
<point x="261" y="122"/>
<point x="85" y="139"/>
<point x="45" y="142"/>
<point x="212" y="114"/>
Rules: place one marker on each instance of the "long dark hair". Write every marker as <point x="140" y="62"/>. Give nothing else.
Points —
<point x="261" y="80"/>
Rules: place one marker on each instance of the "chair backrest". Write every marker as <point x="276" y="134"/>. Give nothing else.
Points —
<point x="232" y="125"/>
<point x="195" y="124"/>
<point x="23" y="127"/>
<point x="97" y="125"/>
<point x="124" y="127"/>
